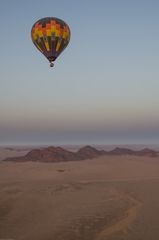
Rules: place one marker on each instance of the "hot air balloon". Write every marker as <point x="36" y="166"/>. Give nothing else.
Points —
<point x="51" y="36"/>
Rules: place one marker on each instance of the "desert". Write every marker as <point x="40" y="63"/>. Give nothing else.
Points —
<point x="111" y="196"/>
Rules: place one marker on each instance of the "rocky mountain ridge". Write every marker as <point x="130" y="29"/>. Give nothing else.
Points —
<point x="57" y="154"/>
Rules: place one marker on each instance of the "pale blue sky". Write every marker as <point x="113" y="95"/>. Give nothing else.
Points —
<point x="104" y="86"/>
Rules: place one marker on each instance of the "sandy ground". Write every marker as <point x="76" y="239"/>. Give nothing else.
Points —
<point x="113" y="198"/>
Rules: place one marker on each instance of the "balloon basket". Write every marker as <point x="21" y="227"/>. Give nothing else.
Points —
<point x="51" y="64"/>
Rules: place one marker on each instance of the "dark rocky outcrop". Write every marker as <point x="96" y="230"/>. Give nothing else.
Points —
<point x="89" y="152"/>
<point x="58" y="154"/>
<point x="126" y="151"/>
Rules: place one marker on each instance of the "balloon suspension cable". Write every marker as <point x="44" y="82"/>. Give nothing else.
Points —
<point x="51" y="64"/>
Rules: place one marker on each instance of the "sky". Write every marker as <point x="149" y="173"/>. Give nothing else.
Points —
<point x="104" y="88"/>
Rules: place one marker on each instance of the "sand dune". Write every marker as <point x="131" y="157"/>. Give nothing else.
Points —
<point x="121" y="225"/>
<point x="108" y="197"/>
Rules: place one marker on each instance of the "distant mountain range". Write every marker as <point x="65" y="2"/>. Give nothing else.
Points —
<point x="58" y="154"/>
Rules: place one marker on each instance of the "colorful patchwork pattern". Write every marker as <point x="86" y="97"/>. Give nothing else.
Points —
<point x="51" y="36"/>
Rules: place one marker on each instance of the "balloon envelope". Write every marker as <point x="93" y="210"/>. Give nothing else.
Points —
<point x="51" y="36"/>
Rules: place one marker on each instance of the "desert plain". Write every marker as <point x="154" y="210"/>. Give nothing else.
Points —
<point x="109" y="197"/>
